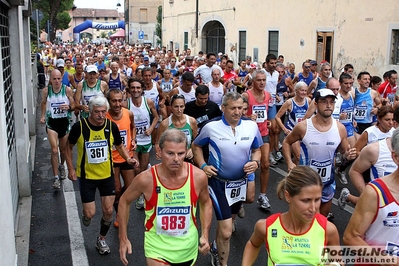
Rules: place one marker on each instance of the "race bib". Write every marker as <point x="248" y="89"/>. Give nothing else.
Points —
<point x="173" y="221"/>
<point x="236" y="191"/>
<point x="360" y="112"/>
<point x="141" y="128"/>
<point x="261" y="113"/>
<point x="123" y="134"/>
<point x="56" y="111"/>
<point x="272" y="100"/>
<point x="281" y="96"/>
<point x="299" y="117"/>
<point x="323" y="168"/>
<point x="87" y="98"/>
<point x="349" y="112"/>
<point x="391" y="97"/>
<point x="97" y="151"/>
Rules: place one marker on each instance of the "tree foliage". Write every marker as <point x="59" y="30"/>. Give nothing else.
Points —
<point x="56" y="11"/>
<point x="158" y="28"/>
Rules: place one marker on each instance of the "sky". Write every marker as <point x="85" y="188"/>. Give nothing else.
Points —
<point x="99" y="4"/>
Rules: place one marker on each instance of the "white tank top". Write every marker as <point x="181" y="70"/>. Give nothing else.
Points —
<point x="318" y="149"/>
<point x="374" y="134"/>
<point x="384" y="165"/>
<point x="153" y="94"/>
<point x="142" y="121"/>
<point x="216" y="93"/>
<point x="188" y="96"/>
<point x="384" y="229"/>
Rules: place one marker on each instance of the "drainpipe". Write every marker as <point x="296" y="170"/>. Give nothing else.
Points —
<point x="196" y="18"/>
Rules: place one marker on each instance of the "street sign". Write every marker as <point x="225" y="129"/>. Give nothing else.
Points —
<point x="37" y="15"/>
<point x="141" y="35"/>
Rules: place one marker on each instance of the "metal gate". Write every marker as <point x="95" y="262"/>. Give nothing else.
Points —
<point x="214" y="37"/>
<point x="9" y="103"/>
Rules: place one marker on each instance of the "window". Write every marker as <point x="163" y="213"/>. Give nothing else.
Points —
<point x="273" y="43"/>
<point x="105" y="19"/>
<point x="185" y="40"/>
<point x="113" y="18"/>
<point x="143" y="15"/>
<point x="97" y="18"/>
<point x="324" y="46"/>
<point x="395" y="48"/>
<point x="242" y="48"/>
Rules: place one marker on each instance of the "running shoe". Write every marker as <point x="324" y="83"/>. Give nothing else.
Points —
<point x="263" y="201"/>
<point x="272" y="160"/>
<point x="86" y="221"/>
<point x="278" y="156"/>
<point x="62" y="172"/>
<point x="56" y="183"/>
<point x="341" y="176"/>
<point x="214" y="254"/>
<point x="241" y="212"/>
<point x="280" y="146"/>
<point x="140" y="203"/>
<point x="102" y="246"/>
<point x="343" y="198"/>
<point x="116" y="223"/>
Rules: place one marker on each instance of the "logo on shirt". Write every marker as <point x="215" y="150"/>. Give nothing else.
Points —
<point x="173" y="210"/>
<point x="96" y="144"/>
<point x="392" y="219"/>
<point x="287" y="242"/>
<point x="274" y="232"/>
<point x="330" y="143"/>
<point x="313" y="143"/>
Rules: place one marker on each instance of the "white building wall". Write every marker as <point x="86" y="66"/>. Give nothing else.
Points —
<point x="361" y="32"/>
<point x="7" y="250"/>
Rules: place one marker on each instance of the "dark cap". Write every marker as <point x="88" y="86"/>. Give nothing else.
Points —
<point x="189" y="58"/>
<point x="313" y="62"/>
<point x="324" y="93"/>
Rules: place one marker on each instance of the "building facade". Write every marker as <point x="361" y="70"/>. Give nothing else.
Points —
<point x="340" y="32"/>
<point x="80" y="15"/>
<point x="17" y="127"/>
<point x="141" y="17"/>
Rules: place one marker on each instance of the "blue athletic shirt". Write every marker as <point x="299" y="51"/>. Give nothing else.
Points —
<point x="229" y="153"/>
<point x="297" y="113"/>
<point x="306" y="80"/>
<point x="363" y="106"/>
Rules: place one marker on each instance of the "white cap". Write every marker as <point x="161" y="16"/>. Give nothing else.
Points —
<point x="324" y="93"/>
<point x="60" y="63"/>
<point x="91" y="68"/>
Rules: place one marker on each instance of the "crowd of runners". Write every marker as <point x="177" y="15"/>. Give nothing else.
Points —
<point x="213" y="122"/>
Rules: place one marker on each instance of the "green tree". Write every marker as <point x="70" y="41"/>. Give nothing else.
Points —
<point x="158" y="28"/>
<point x="56" y="11"/>
<point x="103" y="34"/>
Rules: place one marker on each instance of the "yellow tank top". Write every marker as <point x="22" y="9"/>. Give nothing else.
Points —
<point x="171" y="229"/>
<point x="285" y="248"/>
<point x="94" y="152"/>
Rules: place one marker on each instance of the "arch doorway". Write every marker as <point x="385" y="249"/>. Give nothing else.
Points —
<point x="213" y="39"/>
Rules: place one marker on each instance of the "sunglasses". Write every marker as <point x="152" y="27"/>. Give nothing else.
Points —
<point x="177" y="96"/>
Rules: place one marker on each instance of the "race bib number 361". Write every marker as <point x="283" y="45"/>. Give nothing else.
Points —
<point x="96" y="151"/>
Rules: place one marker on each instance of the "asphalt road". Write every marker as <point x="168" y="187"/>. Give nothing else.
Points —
<point x="59" y="238"/>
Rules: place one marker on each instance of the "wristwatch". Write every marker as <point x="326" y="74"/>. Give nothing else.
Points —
<point x="257" y="162"/>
